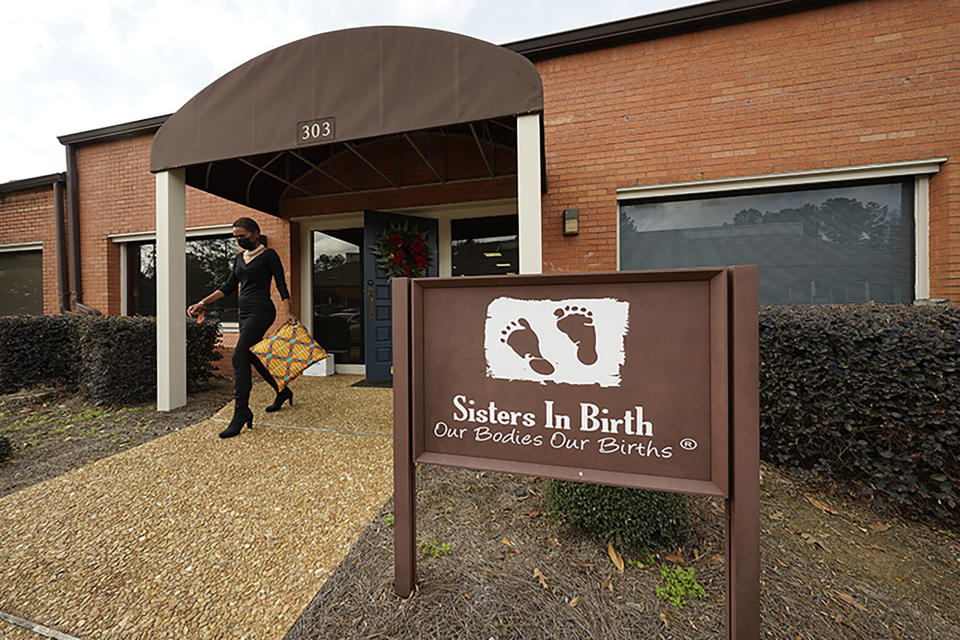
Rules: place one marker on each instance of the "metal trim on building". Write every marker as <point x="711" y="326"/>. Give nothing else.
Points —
<point x="32" y="183"/>
<point x="699" y="17"/>
<point x="21" y="246"/>
<point x="815" y="176"/>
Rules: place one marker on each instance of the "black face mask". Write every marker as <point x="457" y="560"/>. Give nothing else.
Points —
<point x="246" y="243"/>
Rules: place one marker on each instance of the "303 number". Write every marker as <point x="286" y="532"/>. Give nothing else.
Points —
<point x="315" y="130"/>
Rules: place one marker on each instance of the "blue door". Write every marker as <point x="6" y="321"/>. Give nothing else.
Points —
<point x="378" y="330"/>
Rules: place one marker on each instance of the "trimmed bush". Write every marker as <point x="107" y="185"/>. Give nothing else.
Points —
<point x="630" y="518"/>
<point x="868" y="395"/>
<point x="120" y="358"/>
<point x="202" y="354"/>
<point x="38" y="350"/>
<point x="865" y="395"/>
<point x="111" y="359"/>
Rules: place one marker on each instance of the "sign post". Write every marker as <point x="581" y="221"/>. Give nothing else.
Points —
<point x="404" y="473"/>
<point x="742" y="505"/>
<point x="636" y="379"/>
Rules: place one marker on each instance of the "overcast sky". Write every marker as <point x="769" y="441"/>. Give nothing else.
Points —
<point x="74" y="65"/>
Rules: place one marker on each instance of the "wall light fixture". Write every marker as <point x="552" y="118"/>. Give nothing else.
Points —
<point x="571" y="222"/>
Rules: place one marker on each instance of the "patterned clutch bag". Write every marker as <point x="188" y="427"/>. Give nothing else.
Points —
<point x="288" y="352"/>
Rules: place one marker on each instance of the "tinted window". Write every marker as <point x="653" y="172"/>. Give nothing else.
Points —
<point x="21" y="283"/>
<point x="848" y="244"/>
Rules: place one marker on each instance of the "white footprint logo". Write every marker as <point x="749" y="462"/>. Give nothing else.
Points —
<point x="524" y="341"/>
<point x="571" y="341"/>
<point x="577" y="324"/>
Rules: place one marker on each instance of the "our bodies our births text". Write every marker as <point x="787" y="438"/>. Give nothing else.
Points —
<point x="626" y="432"/>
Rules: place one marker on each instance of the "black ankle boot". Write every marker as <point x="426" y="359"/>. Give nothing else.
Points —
<point x="241" y="416"/>
<point x="282" y="397"/>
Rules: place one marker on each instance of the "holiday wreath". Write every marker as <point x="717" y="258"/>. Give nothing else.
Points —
<point x="403" y="252"/>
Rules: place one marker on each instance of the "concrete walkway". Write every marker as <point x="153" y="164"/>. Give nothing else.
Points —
<point x="190" y="536"/>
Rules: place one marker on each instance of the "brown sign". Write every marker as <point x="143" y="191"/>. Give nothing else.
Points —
<point x="640" y="379"/>
<point x="619" y="378"/>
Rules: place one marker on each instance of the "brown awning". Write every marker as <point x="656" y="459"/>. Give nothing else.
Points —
<point x="363" y="82"/>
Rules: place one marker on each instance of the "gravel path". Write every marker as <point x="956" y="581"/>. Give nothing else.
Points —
<point x="190" y="536"/>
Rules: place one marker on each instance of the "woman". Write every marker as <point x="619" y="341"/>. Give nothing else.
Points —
<point x="252" y="271"/>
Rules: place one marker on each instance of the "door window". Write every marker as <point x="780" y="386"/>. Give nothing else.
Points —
<point x="337" y="293"/>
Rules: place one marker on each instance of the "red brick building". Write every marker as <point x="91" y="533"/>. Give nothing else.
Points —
<point x="28" y="254"/>
<point x="813" y="138"/>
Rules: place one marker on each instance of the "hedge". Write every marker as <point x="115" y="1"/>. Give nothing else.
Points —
<point x="38" y="350"/>
<point x="866" y="395"/>
<point x="111" y="359"/>
<point x="631" y="519"/>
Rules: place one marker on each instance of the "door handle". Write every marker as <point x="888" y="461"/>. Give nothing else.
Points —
<point x="370" y="301"/>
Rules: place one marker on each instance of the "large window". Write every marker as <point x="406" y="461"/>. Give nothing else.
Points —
<point x="21" y="283"/>
<point x="209" y="261"/>
<point x="840" y="244"/>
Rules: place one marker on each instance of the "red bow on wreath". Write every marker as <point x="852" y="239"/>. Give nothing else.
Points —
<point x="403" y="252"/>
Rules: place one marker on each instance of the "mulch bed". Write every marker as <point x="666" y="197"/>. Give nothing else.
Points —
<point x="825" y="575"/>
<point x="52" y="432"/>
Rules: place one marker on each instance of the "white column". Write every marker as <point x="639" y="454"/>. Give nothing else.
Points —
<point x="444" y="249"/>
<point x="528" y="193"/>
<point x="171" y="290"/>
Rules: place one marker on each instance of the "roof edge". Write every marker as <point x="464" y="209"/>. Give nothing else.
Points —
<point x="707" y="15"/>
<point x="32" y="183"/>
<point x="147" y="125"/>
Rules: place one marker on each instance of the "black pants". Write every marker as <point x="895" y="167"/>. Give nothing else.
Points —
<point x="253" y="325"/>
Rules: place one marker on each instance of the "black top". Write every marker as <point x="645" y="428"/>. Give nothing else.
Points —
<point x="254" y="279"/>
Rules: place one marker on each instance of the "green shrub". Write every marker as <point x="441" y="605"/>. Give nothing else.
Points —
<point x="38" y="350"/>
<point x="111" y="359"/>
<point x="868" y="395"/>
<point x="680" y="585"/>
<point x="202" y="354"/>
<point x="630" y="518"/>
<point x="864" y="395"/>
<point x="5" y="448"/>
<point x="120" y="358"/>
<point x="434" y="550"/>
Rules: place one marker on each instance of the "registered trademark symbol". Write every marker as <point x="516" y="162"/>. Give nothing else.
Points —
<point x="689" y="444"/>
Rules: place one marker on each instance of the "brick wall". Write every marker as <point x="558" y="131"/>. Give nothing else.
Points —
<point x="861" y="83"/>
<point x="28" y="216"/>
<point x="855" y="84"/>
<point x="117" y="195"/>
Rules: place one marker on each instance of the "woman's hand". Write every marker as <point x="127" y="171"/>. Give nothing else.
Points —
<point x="195" y="310"/>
